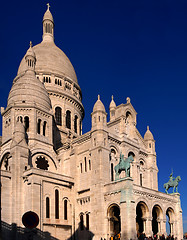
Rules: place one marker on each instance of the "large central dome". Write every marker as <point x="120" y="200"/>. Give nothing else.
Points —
<point x="50" y="59"/>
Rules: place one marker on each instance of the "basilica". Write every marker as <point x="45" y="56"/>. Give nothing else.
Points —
<point x="74" y="182"/>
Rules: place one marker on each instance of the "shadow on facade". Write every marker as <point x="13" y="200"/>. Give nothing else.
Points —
<point x="12" y="232"/>
<point x="81" y="233"/>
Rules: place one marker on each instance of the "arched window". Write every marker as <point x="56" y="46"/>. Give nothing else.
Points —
<point x="47" y="207"/>
<point x="81" y="167"/>
<point x="20" y="119"/>
<point x="80" y="128"/>
<point x="56" y="204"/>
<point x="39" y="126"/>
<point x="58" y="116"/>
<point x="55" y="81"/>
<point x="112" y="172"/>
<point x="46" y="28"/>
<point x="141" y="178"/>
<point x="81" y="222"/>
<point x="75" y="123"/>
<point x="87" y="221"/>
<point x="26" y="121"/>
<point x="68" y="119"/>
<point x="90" y="165"/>
<point x="65" y="209"/>
<point x="85" y="164"/>
<point x="44" y="127"/>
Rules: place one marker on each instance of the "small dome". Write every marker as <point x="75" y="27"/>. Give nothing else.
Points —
<point x="148" y="135"/>
<point x="112" y="103"/>
<point x="99" y="106"/>
<point x="27" y="89"/>
<point x="30" y="51"/>
<point x="48" y="15"/>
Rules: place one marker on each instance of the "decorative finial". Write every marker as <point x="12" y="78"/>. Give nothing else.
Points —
<point x="48" y="6"/>
<point x="98" y="97"/>
<point x="128" y="99"/>
<point x="112" y="97"/>
<point x="147" y="127"/>
<point x="30" y="44"/>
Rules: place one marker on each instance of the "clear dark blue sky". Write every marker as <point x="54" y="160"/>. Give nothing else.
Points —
<point x="135" y="49"/>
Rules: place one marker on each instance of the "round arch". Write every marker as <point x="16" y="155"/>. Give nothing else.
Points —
<point x="142" y="212"/>
<point x="157" y="214"/>
<point x="114" y="220"/>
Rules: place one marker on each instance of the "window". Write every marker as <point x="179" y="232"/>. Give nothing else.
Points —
<point x="26" y="121"/>
<point x="42" y="163"/>
<point x="87" y="221"/>
<point x="65" y="209"/>
<point x="75" y="123"/>
<point x="44" y="128"/>
<point x="56" y="204"/>
<point x="81" y="222"/>
<point x="39" y="126"/>
<point x="141" y="182"/>
<point x="81" y="167"/>
<point x="85" y="164"/>
<point x="89" y="164"/>
<point x="58" y="116"/>
<point x="68" y="119"/>
<point x="47" y="208"/>
<point x="112" y="172"/>
<point x="149" y="145"/>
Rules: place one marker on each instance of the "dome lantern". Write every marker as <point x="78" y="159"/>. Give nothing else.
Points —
<point x="30" y="58"/>
<point x="48" y="26"/>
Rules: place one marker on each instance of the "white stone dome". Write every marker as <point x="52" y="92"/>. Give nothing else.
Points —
<point x="148" y="135"/>
<point x="27" y="89"/>
<point x="50" y="59"/>
<point x="99" y="106"/>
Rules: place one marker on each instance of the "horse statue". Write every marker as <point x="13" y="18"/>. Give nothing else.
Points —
<point x="123" y="165"/>
<point x="173" y="182"/>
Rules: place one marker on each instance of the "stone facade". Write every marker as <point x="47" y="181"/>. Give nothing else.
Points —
<point x="68" y="179"/>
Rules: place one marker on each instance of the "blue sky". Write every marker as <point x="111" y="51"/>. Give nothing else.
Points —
<point x="135" y="49"/>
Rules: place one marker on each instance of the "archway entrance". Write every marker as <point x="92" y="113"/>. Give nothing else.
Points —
<point x="170" y="221"/>
<point x="141" y="214"/>
<point x="156" y="215"/>
<point x="114" y="226"/>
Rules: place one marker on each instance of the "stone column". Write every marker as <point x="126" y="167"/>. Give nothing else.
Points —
<point x="163" y="226"/>
<point x="148" y="230"/>
<point x="128" y="211"/>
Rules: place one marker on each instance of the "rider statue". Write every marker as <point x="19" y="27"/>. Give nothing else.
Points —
<point x="171" y="178"/>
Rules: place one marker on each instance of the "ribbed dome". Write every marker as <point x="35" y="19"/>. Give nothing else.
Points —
<point x="50" y="59"/>
<point x="99" y="106"/>
<point x="28" y="90"/>
<point x="148" y="135"/>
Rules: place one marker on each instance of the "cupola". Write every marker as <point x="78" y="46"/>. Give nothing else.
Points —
<point x="112" y="109"/>
<point x="99" y="115"/>
<point x="149" y="140"/>
<point x="48" y="26"/>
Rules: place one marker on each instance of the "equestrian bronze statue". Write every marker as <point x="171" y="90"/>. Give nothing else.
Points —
<point x="173" y="182"/>
<point x="123" y="165"/>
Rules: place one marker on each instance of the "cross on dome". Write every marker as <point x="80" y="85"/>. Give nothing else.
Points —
<point x="48" y="6"/>
<point x="30" y="44"/>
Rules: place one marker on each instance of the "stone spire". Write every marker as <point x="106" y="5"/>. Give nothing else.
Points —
<point x="48" y="26"/>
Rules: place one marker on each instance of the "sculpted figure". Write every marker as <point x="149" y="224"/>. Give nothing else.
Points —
<point x="173" y="182"/>
<point x="123" y="165"/>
